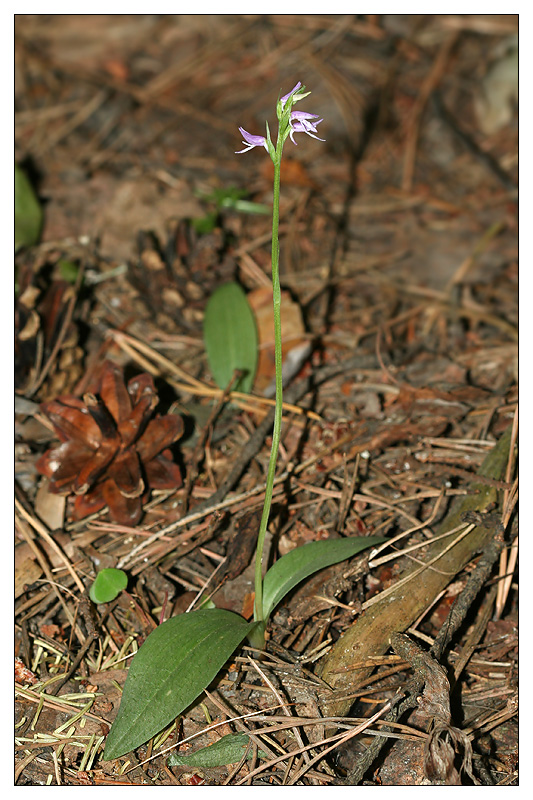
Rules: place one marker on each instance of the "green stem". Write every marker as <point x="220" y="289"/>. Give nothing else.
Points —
<point x="276" y="432"/>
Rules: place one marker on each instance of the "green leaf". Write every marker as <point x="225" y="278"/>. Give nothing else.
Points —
<point x="109" y="584"/>
<point x="303" y="561"/>
<point x="235" y="199"/>
<point x="69" y="270"/>
<point x="205" y="224"/>
<point x="230" y="337"/>
<point x="178" y="660"/>
<point x="249" y="207"/>
<point x="28" y="212"/>
<point x="228" y="750"/>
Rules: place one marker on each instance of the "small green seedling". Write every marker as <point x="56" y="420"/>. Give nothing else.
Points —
<point x="109" y="584"/>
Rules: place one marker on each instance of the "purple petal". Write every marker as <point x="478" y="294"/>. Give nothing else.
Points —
<point x="255" y="141"/>
<point x="251" y="141"/>
<point x="286" y="97"/>
<point x="305" y="127"/>
<point x="303" y="115"/>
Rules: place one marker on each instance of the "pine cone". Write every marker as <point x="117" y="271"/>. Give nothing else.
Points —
<point x="111" y="452"/>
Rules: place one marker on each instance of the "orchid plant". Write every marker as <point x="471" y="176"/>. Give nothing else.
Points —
<point x="181" y="657"/>
<point x="290" y="122"/>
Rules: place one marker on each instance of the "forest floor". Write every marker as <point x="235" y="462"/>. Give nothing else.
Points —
<point x="398" y="264"/>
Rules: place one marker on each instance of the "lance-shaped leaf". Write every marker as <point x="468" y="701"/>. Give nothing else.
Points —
<point x="178" y="660"/>
<point x="230" y="337"/>
<point x="303" y="561"/>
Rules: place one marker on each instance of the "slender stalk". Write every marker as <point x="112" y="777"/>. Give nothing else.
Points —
<point x="276" y="432"/>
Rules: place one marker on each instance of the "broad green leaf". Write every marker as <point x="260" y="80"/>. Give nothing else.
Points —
<point x="298" y="564"/>
<point x="228" y="750"/>
<point x="230" y="336"/>
<point x="178" y="660"/>
<point x="109" y="584"/>
<point x="28" y="212"/>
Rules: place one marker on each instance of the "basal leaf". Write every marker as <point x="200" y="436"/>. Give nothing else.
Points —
<point x="228" y="750"/>
<point x="178" y="660"/>
<point x="28" y="212"/>
<point x="230" y="336"/>
<point x="109" y="584"/>
<point x="298" y="564"/>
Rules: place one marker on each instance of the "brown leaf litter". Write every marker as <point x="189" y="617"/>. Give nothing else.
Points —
<point x="399" y="276"/>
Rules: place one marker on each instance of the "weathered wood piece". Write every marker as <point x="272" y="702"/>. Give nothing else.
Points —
<point x="370" y="634"/>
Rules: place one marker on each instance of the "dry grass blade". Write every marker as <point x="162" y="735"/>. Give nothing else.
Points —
<point x="508" y="565"/>
<point x="38" y="526"/>
<point x="138" y="350"/>
<point x="333" y="741"/>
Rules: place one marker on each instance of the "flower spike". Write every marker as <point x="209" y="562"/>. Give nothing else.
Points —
<point x="290" y="122"/>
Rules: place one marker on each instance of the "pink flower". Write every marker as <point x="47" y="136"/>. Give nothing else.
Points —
<point x="301" y="123"/>
<point x="251" y="141"/>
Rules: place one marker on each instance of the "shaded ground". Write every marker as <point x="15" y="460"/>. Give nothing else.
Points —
<point x="398" y="246"/>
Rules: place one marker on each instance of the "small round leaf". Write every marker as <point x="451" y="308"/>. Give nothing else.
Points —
<point x="109" y="584"/>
